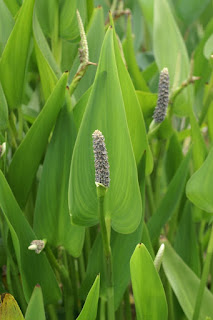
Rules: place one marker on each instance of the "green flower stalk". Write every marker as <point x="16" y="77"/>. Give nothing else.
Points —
<point x="102" y="181"/>
<point x="163" y="97"/>
<point x="101" y="160"/>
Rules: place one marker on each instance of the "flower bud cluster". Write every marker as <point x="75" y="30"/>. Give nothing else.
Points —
<point x="101" y="159"/>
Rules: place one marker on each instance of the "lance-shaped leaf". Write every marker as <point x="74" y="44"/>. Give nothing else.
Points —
<point x="9" y="309"/>
<point x="199" y="187"/>
<point x="35" y="308"/>
<point x="51" y="217"/>
<point x="26" y="160"/>
<point x="105" y="111"/>
<point x="149" y="295"/>
<point x="14" y="58"/>
<point x="90" y="307"/>
<point x="3" y="110"/>
<point x="134" y="115"/>
<point x="34" y="268"/>
<point x="170" y="52"/>
<point x="169" y="203"/>
<point x="185" y="284"/>
<point x="48" y="69"/>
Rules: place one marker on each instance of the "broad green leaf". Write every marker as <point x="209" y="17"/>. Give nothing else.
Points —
<point x="35" y="308"/>
<point x="95" y="27"/>
<point x="189" y="10"/>
<point x="185" y="284"/>
<point x="105" y="112"/>
<point x="201" y="64"/>
<point x="148" y="102"/>
<point x="68" y="28"/>
<point x="34" y="268"/>
<point x="90" y="307"/>
<point x="173" y="157"/>
<point x="134" y="115"/>
<point x="6" y="25"/>
<point x="9" y="309"/>
<point x="27" y="157"/>
<point x="147" y="11"/>
<point x="79" y="108"/>
<point x="46" y="12"/>
<point x="133" y="69"/>
<point x="12" y="5"/>
<point x="186" y="244"/>
<point x="198" y="144"/>
<point x="15" y="56"/>
<point x="208" y="48"/>
<point x="170" y="201"/>
<point x="199" y="186"/>
<point x="48" y="69"/>
<point x="170" y="52"/>
<point x="51" y="216"/>
<point x="3" y="110"/>
<point x="149" y="295"/>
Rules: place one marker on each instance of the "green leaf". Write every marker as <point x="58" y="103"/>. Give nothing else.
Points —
<point x="170" y="201"/>
<point x="105" y="112"/>
<point x="90" y="307"/>
<point x="51" y="216"/>
<point x="3" y="110"/>
<point x="9" y="309"/>
<point x="186" y="244"/>
<point x="148" y="102"/>
<point x="34" y="268"/>
<point x="35" y="308"/>
<point x="133" y="69"/>
<point x="15" y="56"/>
<point x="79" y="108"/>
<point x="122" y="247"/>
<point x="12" y="5"/>
<point x="134" y="115"/>
<point x="208" y="47"/>
<point x="48" y="69"/>
<point x="68" y="20"/>
<point x="170" y="52"/>
<point x="149" y="295"/>
<point x="190" y="10"/>
<point x="185" y="284"/>
<point x="201" y="64"/>
<point x="6" y="25"/>
<point x="96" y="27"/>
<point x="27" y="157"/>
<point x="198" y="145"/>
<point x="199" y="186"/>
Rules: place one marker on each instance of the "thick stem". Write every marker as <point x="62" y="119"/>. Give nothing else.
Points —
<point x="204" y="278"/>
<point x="127" y="305"/>
<point x="105" y="233"/>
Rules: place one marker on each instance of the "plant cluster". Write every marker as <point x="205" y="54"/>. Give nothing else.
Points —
<point x="106" y="160"/>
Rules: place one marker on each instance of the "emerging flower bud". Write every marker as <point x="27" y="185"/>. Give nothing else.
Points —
<point x="163" y="97"/>
<point x="37" y="245"/>
<point x="83" y="50"/>
<point x="2" y="149"/>
<point x="101" y="159"/>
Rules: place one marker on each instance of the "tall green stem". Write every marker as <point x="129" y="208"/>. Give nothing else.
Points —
<point x="105" y="233"/>
<point x="204" y="277"/>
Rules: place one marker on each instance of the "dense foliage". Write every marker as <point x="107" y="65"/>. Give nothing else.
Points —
<point x="106" y="158"/>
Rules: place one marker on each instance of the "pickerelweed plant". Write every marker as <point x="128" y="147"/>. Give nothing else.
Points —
<point x="106" y="160"/>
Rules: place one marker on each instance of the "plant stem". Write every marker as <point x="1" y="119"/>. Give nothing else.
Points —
<point x="127" y="306"/>
<point x="105" y="233"/>
<point x="204" y="277"/>
<point x="102" y="309"/>
<point x="56" y="41"/>
<point x="51" y="311"/>
<point x="67" y="287"/>
<point x="150" y="197"/>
